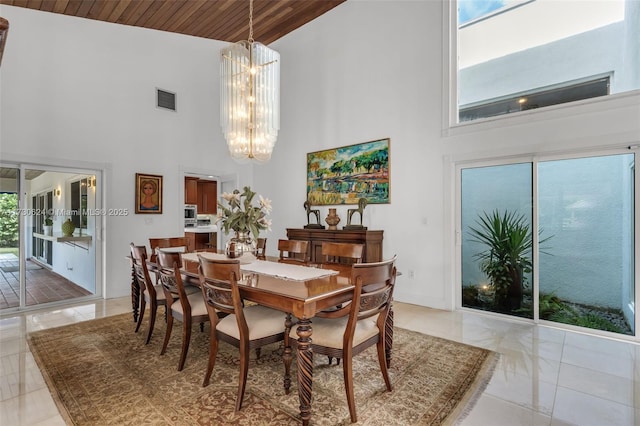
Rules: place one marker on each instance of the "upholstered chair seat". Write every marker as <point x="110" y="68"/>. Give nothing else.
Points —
<point x="329" y="333"/>
<point x="198" y="307"/>
<point x="262" y="322"/>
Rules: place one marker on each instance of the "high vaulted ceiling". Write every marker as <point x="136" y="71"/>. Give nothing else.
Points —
<point x="226" y="20"/>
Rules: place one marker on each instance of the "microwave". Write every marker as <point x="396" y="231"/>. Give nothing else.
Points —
<point x="190" y="215"/>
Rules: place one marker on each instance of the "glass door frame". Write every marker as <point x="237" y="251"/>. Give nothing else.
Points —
<point x="100" y="220"/>
<point x="457" y="167"/>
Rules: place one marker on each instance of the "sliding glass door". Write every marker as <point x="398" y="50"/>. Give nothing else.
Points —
<point x="496" y="260"/>
<point x="574" y="264"/>
<point x="586" y="205"/>
<point x="38" y="263"/>
<point x="10" y="276"/>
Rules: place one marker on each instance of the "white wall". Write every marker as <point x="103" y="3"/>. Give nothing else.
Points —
<point x="369" y="70"/>
<point x="81" y="93"/>
<point x="365" y="70"/>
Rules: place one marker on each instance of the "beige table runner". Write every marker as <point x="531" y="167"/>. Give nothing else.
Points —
<point x="286" y="271"/>
<point x="248" y="263"/>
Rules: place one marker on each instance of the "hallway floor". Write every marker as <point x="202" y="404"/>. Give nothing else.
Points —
<point x="545" y="376"/>
<point x="43" y="285"/>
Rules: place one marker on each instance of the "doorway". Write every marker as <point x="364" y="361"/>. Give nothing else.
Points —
<point x="39" y="264"/>
<point x="204" y="190"/>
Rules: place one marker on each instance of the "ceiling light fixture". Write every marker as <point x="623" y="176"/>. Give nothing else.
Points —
<point x="250" y="98"/>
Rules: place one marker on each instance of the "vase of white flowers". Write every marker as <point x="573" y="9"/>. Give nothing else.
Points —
<point x="237" y="213"/>
<point x="240" y="244"/>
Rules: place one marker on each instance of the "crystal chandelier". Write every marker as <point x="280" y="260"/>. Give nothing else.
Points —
<point x="250" y="98"/>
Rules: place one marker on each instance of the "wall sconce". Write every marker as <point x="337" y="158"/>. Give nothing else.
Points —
<point x="91" y="182"/>
<point x="58" y="192"/>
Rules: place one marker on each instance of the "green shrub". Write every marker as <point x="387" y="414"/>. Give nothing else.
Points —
<point x="9" y="220"/>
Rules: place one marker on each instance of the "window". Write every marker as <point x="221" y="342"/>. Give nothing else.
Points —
<point x="566" y="92"/>
<point x="516" y="55"/>
<point x="79" y="203"/>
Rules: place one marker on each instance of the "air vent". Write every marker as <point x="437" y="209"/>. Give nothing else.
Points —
<point x="166" y="100"/>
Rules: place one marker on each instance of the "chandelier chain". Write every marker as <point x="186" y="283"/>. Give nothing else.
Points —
<point x="250" y="21"/>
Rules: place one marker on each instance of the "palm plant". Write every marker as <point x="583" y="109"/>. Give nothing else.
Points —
<point x="508" y="255"/>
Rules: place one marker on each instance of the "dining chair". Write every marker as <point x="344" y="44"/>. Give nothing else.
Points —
<point x="261" y="249"/>
<point x="149" y="293"/>
<point x="177" y="243"/>
<point x="294" y="251"/>
<point x="246" y="328"/>
<point x="340" y="257"/>
<point x="346" y="332"/>
<point x="172" y="244"/>
<point x="187" y="308"/>
<point x="340" y="254"/>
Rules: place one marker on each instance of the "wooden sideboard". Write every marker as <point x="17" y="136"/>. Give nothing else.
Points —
<point x="372" y="241"/>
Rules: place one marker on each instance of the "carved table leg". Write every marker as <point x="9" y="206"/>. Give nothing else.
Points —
<point x="388" y="344"/>
<point x="135" y="294"/>
<point x="305" y="369"/>
<point x="286" y="357"/>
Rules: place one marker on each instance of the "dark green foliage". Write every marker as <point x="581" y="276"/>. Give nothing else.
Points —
<point x="554" y="309"/>
<point x="507" y="257"/>
<point x="550" y="304"/>
<point x="8" y="220"/>
<point x="596" y="322"/>
<point x="470" y="296"/>
<point x="570" y="316"/>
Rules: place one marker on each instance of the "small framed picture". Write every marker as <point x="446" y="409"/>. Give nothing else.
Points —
<point x="148" y="193"/>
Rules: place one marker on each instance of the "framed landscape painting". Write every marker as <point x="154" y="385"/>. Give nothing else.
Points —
<point x="346" y="174"/>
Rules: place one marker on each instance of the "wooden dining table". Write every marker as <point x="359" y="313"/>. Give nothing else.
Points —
<point x="302" y="298"/>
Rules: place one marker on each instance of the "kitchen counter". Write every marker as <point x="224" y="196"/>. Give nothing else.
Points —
<point x="202" y="229"/>
<point x="201" y="237"/>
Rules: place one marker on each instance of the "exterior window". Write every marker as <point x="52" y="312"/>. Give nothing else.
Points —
<point x="79" y="203"/>
<point x="508" y="62"/>
<point x="536" y="99"/>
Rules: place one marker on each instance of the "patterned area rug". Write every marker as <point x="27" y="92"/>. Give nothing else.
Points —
<point x="101" y="373"/>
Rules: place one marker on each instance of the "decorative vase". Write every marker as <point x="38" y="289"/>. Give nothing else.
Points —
<point x="48" y="230"/>
<point x="67" y="228"/>
<point x="332" y="219"/>
<point x="240" y="244"/>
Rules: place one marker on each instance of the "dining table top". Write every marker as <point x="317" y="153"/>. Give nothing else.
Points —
<point x="273" y="284"/>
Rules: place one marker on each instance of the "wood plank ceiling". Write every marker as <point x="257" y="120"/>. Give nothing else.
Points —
<point x="226" y="20"/>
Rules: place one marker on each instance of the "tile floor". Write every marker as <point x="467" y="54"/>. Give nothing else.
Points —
<point x="545" y="376"/>
<point x="43" y="285"/>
